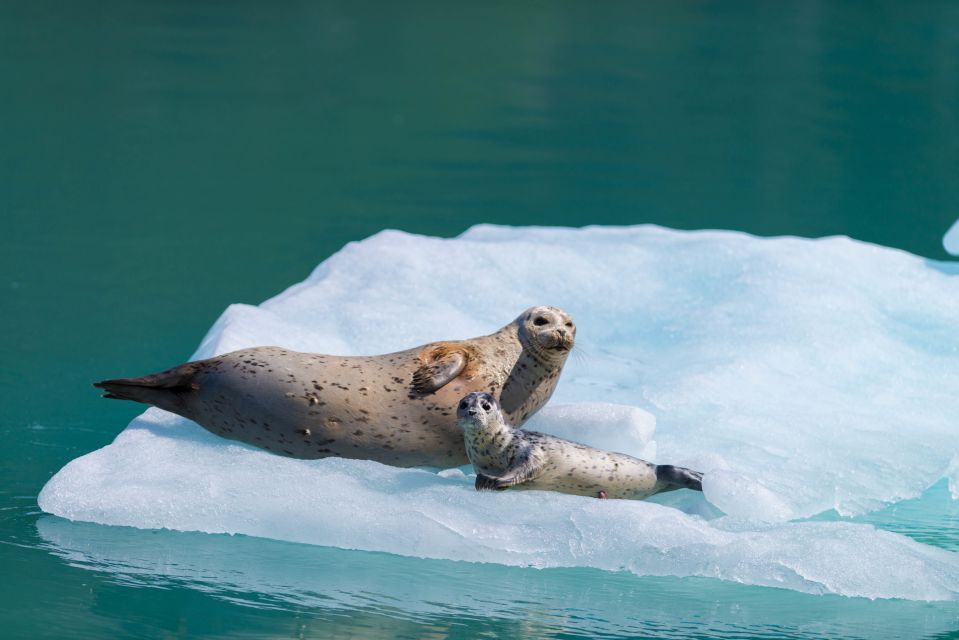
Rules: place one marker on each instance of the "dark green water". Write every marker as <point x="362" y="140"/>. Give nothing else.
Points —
<point x="160" y="160"/>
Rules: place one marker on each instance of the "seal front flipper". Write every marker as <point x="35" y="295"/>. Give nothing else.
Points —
<point x="438" y="368"/>
<point x="488" y="483"/>
<point x="526" y="466"/>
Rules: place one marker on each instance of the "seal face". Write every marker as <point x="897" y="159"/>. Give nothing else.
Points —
<point x="398" y="408"/>
<point x="505" y="457"/>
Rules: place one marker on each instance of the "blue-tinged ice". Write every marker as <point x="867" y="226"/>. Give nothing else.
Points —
<point x="801" y="375"/>
<point x="951" y="240"/>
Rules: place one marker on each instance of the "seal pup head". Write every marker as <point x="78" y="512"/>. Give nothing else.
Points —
<point x="478" y="411"/>
<point x="549" y="332"/>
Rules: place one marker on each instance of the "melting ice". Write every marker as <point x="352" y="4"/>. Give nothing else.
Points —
<point x="951" y="239"/>
<point x="801" y="375"/>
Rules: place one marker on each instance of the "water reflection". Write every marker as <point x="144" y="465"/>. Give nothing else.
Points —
<point x="363" y="594"/>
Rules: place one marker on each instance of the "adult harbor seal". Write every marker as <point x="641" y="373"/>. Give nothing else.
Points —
<point x="398" y="408"/>
<point x="505" y="457"/>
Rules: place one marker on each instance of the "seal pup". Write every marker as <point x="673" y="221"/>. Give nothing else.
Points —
<point x="505" y="457"/>
<point x="398" y="408"/>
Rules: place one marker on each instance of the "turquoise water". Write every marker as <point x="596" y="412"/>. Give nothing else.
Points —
<point x="162" y="160"/>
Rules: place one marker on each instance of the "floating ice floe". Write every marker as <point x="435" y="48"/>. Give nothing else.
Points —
<point x="951" y="240"/>
<point x="801" y="375"/>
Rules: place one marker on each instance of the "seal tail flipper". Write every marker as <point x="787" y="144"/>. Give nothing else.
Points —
<point x="678" y="478"/>
<point x="165" y="389"/>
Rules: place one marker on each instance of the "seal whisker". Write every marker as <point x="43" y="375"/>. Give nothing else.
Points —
<point x="581" y="355"/>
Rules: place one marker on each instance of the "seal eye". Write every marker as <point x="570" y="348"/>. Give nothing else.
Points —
<point x="540" y="321"/>
<point x="569" y="324"/>
<point x="486" y="406"/>
<point x="463" y="404"/>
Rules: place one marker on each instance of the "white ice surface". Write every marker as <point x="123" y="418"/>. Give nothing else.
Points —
<point x="608" y="426"/>
<point x="800" y="375"/>
<point x="951" y="240"/>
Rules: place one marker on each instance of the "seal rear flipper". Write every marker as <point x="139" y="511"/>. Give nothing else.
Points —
<point x="165" y="390"/>
<point x="679" y="477"/>
<point x="437" y="370"/>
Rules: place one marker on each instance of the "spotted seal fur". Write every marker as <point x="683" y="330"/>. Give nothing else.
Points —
<point x="398" y="408"/>
<point x="506" y="457"/>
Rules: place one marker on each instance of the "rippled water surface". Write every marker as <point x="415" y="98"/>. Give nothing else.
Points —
<point x="162" y="160"/>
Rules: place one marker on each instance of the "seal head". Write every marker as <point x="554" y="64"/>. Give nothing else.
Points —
<point x="548" y="332"/>
<point x="477" y="412"/>
<point x="547" y="335"/>
<point x="484" y="429"/>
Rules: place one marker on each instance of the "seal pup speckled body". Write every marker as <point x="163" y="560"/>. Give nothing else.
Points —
<point x="398" y="408"/>
<point x="505" y="457"/>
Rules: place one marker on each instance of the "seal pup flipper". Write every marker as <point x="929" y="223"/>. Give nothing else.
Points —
<point x="488" y="483"/>
<point x="525" y="467"/>
<point x="678" y="478"/>
<point x="512" y="478"/>
<point x="439" y="369"/>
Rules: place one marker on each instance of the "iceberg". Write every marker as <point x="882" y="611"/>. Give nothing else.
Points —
<point x="951" y="240"/>
<point x="802" y="376"/>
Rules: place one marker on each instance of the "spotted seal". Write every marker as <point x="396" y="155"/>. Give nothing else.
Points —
<point x="505" y="457"/>
<point x="398" y="408"/>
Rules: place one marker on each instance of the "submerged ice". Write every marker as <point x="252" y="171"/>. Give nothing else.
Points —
<point x="802" y="376"/>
